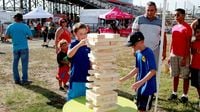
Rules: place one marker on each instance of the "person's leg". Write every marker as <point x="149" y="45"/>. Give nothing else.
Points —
<point x="156" y="54"/>
<point x="144" y="103"/>
<point x="60" y="85"/>
<point x="184" y="72"/>
<point x="48" y="38"/>
<point x="175" y="83"/>
<point x="16" y="57"/>
<point x="185" y="86"/>
<point x="175" y="74"/>
<point x="24" y="61"/>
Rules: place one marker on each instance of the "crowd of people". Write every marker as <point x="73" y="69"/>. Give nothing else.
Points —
<point x="73" y="60"/>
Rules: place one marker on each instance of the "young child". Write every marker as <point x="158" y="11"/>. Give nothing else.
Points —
<point x="80" y="63"/>
<point x="145" y="69"/>
<point x="195" y="65"/>
<point x="63" y="63"/>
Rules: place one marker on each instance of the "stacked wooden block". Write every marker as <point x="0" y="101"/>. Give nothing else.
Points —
<point x="103" y="76"/>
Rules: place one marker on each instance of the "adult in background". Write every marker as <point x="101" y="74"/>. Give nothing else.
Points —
<point x="19" y="33"/>
<point x="195" y="23"/>
<point x="62" y="33"/>
<point x="51" y="30"/>
<point x="180" y="54"/>
<point x="150" y="25"/>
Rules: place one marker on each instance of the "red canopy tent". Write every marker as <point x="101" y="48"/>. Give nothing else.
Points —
<point x="123" y="26"/>
<point x="116" y="13"/>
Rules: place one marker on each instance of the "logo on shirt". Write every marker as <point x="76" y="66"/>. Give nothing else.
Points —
<point x="143" y="59"/>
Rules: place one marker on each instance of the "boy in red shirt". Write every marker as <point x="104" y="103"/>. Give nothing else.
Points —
<point x="195" y="65"/>
<point x="180" y="54"/>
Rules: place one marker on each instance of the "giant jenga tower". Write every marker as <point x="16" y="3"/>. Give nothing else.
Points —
<point x="103" y="77"/>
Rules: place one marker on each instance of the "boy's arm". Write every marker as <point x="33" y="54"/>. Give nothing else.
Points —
<point x="73" y="51"/>
<point x="130" y="74"/>
<point x="145" y="79"/>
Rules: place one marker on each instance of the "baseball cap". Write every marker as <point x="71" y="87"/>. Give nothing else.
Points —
<point x="18" y="16"/>
<point x="133" y="38"/>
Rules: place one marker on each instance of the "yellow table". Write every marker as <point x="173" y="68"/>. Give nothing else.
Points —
<point x="78" y="105"/>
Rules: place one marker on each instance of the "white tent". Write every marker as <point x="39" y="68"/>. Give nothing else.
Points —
<point x="37" y="13"/>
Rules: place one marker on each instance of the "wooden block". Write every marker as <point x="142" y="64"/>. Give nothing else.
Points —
<point x="103" y="50"/>
<point x="95" y="35"/>
<point x="91" y="78"/>
<point x="102" y="61"/>
<point x="96" y="43"/>
<point x="111" y="35"/>
<point x="104" y="67"/>
<point x="103" y="75"/>
<point x="105" y="83"/>
<point x="108" y="101"/>
<point x="101" y="57"/>
<point x="89" y="105"/>
<point x="100" y="54"/>
<point x="98" y="97"/>
<point x="104" y="89"/>
<point x="89" y="84"/>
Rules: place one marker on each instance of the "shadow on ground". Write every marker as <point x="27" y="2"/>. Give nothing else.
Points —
<point x="125" y="94"/>
<point x="56" y="100"/>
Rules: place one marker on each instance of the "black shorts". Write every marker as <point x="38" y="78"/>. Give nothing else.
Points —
<point x="51" y="36"/>
<point x="195" y="77"/>
<point x="144" y="103"/>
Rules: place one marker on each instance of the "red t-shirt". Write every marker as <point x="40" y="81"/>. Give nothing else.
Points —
<point x="181" y="37"/>
<point x="196" y="55"/>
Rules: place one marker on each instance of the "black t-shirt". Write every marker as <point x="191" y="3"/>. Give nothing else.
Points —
<point x="60" y="57"/>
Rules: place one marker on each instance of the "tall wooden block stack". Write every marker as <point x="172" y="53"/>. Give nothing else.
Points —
<point x="103" y="76"/>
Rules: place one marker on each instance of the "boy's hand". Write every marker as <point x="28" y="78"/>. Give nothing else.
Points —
<point x="83" y="42"/>
<point x="136" y="85"/>
<point x="120" y="81"/>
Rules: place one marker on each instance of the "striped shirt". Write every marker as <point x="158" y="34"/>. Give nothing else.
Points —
<point x="151" y="30"/>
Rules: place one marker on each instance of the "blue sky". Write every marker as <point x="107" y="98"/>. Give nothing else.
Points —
<point x="171" y="4"/>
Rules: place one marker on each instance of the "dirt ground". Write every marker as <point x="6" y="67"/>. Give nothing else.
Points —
<point x="42" y="68"/>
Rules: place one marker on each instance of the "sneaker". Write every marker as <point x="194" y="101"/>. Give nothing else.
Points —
<point x="199" y="104"/>
<point x="18" y="82"/>
<point x="61" y="89"/>
<point x="172" y="97"/>
<point x="66" y="86"/>
<point x="26" y="83"/>
<point x="184" y="99"/>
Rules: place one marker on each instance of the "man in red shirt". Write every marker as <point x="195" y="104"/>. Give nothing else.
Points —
<point x="180" y="54"/>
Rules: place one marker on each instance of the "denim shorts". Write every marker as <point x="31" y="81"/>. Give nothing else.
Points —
<point x="76" y="89"/>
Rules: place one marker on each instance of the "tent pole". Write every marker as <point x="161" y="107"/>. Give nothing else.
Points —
<point x="160" y="54"/>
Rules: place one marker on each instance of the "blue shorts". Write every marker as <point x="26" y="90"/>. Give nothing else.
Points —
<point x="144" y="103"/>
<point x="76" y="89"/>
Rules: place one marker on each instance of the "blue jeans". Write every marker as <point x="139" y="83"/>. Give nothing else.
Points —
<point x="24" y="55"/>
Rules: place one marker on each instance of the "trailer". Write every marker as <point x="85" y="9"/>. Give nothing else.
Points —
<point x="6" y="18"/>
<point x="90" y="17"/>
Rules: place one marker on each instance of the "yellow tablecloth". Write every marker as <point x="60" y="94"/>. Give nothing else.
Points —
<point x="78" y="105"/>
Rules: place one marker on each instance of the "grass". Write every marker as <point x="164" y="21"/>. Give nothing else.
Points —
<point x="43" y="94"/>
